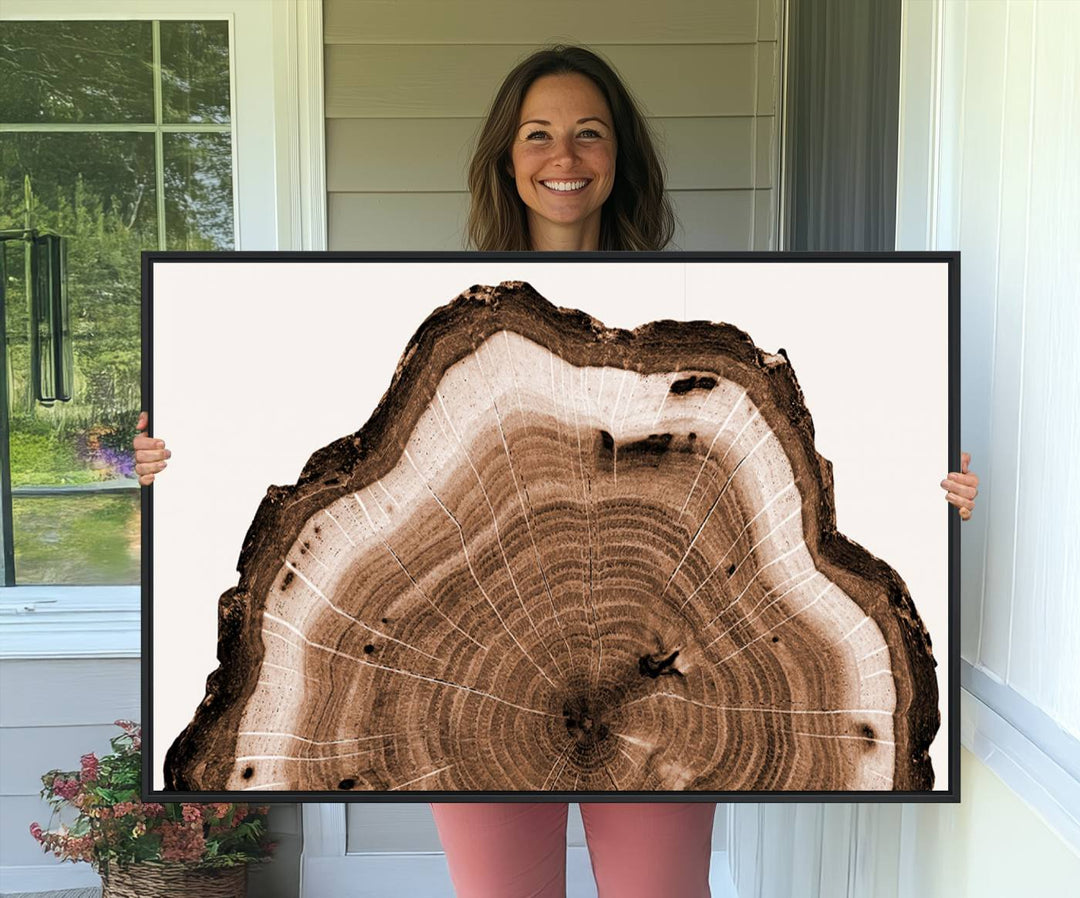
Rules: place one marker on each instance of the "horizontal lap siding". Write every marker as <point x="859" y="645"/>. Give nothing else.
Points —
<point x="460" y="80"/>
<point x="707" y="219"/>
<point x="380" y="155"/>
<point x="52" y="713"/>
<point x="55" y="711"/>
<point x="524" y="22"/>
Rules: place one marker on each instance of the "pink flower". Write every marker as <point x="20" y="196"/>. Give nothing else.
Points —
<point x="153" y="809"/>
<point x="65" y="788"/>
<point x="78" y="848"/>
<point x="192" y="813"/>
<point x="181" y="841"/>
<point x="89" y="767"/>
<point x="36" y="831"/>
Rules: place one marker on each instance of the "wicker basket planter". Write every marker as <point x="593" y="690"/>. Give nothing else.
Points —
<point x="171" y="880"/>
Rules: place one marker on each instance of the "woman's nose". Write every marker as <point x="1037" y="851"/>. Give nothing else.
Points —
<point x="564" y="149"/>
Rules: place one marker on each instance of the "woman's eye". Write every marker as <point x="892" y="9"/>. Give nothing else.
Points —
<point x="541" y="135"/>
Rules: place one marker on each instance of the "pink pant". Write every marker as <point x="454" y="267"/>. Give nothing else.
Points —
<point x="518" y="850"/>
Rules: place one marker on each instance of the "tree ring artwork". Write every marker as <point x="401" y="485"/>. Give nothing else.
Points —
<point x="562" y="557"/>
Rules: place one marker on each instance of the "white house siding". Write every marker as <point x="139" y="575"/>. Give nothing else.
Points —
<point x="52" y="712"/>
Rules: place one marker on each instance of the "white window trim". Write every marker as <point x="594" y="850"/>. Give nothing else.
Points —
<point x="280" y="197"/>
<point x="70" y="622"/>
<point x="1031" y="754"/>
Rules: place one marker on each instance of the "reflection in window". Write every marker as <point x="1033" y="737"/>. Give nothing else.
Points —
<point x="195" y="71"/>
<point x="82" y="539"/>
<point x="198" y="192"/>
<point x="142" y="160"/>
<point x="59" y="72"/>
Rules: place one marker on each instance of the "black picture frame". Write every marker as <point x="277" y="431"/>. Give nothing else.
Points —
<point x="950" y="658"/>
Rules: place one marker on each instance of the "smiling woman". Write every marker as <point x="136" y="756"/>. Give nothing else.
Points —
<point x="562" y="117"/>
<point x="563" y="160"/>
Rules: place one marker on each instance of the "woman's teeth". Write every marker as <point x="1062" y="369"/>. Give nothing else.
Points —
<point x="564" y="186"/>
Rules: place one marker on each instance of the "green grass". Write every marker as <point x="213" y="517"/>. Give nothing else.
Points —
<point x="78" y="540"/>
<point x="41" y="459"/>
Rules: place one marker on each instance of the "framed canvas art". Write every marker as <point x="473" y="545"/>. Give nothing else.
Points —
<point x="464" y="526"/>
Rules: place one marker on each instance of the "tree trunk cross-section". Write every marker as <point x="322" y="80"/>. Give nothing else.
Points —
<point x="561" y="557"/>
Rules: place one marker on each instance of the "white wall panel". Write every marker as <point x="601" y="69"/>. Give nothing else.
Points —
<point x="1006" y="187"/>
<point x="1013" y="219"/>
<point x="1045" y="626"/>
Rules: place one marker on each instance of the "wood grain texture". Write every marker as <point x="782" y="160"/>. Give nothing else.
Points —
<point x="561" y="557"/>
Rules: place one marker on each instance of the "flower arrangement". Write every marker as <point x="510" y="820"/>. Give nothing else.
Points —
<point x="114" y="826"/>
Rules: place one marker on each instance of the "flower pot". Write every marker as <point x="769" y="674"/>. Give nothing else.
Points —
<point x="173" y="880"/>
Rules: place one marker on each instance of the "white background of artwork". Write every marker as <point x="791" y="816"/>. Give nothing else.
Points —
<point x="258" y="364"/>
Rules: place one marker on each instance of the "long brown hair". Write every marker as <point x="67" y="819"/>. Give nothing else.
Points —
<point x="636" y="216"/>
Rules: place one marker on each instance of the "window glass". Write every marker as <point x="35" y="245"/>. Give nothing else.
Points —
<point x="198" y="191"/>
<point x="195" y="71"/>
<point x="58" y="72"/>
<point x="75" y="503"/>
<point x="81" y="539"/>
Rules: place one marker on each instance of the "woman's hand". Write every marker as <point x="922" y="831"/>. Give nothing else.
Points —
<point x="962" y="488"/>
<point x="150" y="453"/>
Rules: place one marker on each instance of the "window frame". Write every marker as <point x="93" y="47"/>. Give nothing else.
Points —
<point x="277" y="119"/>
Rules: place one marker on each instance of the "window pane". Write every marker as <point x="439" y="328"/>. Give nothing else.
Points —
<point x="195" y="71"/>
<point x="97" y="190"/>
<point x="76" y="72"/>
<point x="79" y="540"/>
<point x="81" y="183"/>
<point x="198" y="192"/>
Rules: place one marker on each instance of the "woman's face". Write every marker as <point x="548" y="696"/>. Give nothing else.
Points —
<point x="563" y="156"/>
